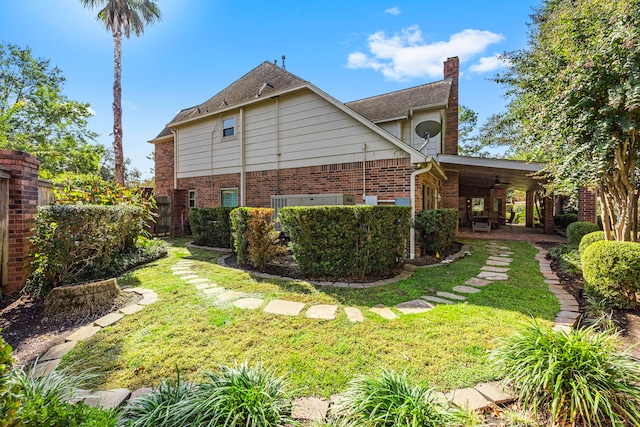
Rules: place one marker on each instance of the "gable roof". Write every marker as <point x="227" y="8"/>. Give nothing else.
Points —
<point x="397" y="104"/>
<point x="262" y="81"/>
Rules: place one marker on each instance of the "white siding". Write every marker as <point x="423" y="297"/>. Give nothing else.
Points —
<point x="435" y="143"/>
<point x="307" y="130"/>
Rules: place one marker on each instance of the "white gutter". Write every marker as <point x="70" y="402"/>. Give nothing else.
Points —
<point x="243" y="198"/>
<point x="175" y="158"/>
<point x="412" y="237"/>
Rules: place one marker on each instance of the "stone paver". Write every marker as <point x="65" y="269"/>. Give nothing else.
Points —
<point x="148" y="299"/>
<point x="83" y="333"/>
<point x="322" y="311"/>
<point x="57" y="351"/>
<point x="229" y="295"/>
<point x="494" y="269"/>
<point x="384" y="312"/>
<point x="197" y="281"/>
<point x="188" y="276"/>
<point x="474" y="281"/>
<point x="248" y="303"/>
<point x="496" y="392"/>
<point x="466" y="289"/>
<point x="497" y="263"/>
<point x="140" y="291"/>
<point x="552" y="282"/>
<point x="500" y="258"/>
<point x="437" y="299"/>
<point x="469" y="398"/>
<point x="489" y="275"/>
<point x="449" y="295"/>
<point x="108" y="399"/>
<point x="108" y="320"/>
<point x="354" y="314"/>
<point x="201" y="286"/>
<point x="45" y="368"/>
<point x="287" y="308"/>
<point x="214" y="291"/>
<point x="131" y="309"/>
<point x="309" y="408"/>
<point x="414" y="307"/>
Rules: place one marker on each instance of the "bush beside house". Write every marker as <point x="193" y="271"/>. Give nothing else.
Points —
<point x="211" y="226"/>
<point x="436" y="229"/>
<point x="577" y="230"/>
<point x="347" y="241"/>
<point x="254" y="237"/>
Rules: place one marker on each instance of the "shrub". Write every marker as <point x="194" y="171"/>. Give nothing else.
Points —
<point x="576" y="230"/>
<point x="568" y="257"/>
<point x="563" y="220"/>
<point x="9" y="397"/>
<point x="158" y="408"/>
<point x="346" y="241"/>
<point x="436" y="229"/>
<point x="391" y="400"/>
<point x="239" y="232"/>
<point x="588" y="239"/>
<point x="575" y="377"/>
<point x="612" y="272"/>
<point x="263" y="239"/>
<point x="72" y="241"/>
<point x="238" y="396"/>
<point x="211" y="226"/>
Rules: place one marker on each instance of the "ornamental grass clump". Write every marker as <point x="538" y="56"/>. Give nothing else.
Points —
<point x="573" y="378"/>
<point x="390" y="400"/>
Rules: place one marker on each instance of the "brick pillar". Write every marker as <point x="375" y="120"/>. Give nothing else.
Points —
<point x="547" y="215"/>
<point x="451" y="72"/>
<point x="450" y="190"/>
<point x="587" y="206"/>
<point x="529" y="208"/>
<point x="164" y="168"/>
<point x="179" y="212"/>
<point x="23" y="206"/>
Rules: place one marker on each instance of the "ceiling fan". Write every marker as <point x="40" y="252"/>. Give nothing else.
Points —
<point x="497" y="184"/>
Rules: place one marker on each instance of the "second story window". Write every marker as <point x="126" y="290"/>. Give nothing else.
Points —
<point x="229" y="127"/>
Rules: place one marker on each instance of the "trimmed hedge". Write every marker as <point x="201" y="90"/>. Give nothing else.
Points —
<point x="577" y="230"/>
<point x="71" y="242"/>
<point x="239" y="232"/>
<point x="211" y="226"/>
<point x="436" y="228"/>
<point x="611" y="272"/>
<point x="346" y="241"/>
<point x="589" y="239"/>
<point x="563" y="220"/>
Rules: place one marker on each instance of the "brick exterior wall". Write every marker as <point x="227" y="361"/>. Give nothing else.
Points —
<point x="587" y="206"/>
<point x="23" y="206"/>
<point x="450" y="190"/>
<point x="451" y="71"/>
<point x="164" y="166"/>
<point x="529" y="201"/>
<point x="388" y="179"/>
<point x="547" y="214"/>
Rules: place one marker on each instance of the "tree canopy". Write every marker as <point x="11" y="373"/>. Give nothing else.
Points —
<point x="575" y="100"/>
<point x="36" y="117"/>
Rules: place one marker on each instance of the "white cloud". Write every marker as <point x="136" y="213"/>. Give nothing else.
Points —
<point x="406" y="55"/>
<point x="395" y="10"/>
<point x="488" y="63"/>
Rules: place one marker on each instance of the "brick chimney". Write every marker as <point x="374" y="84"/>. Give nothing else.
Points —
<point x="451" y="72"/>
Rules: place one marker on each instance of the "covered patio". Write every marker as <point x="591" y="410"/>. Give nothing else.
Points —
<point x="482" y="186"/>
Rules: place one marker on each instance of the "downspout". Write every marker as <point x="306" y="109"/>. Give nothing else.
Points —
<point x="412" y="237"/>
<point x="277" y="146"/>
<point x="243" y="199"/>
<point x="175" y="158"/>
<point x="364" y="173"/>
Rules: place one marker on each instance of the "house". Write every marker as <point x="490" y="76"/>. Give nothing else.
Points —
<point x="272" y="133"/>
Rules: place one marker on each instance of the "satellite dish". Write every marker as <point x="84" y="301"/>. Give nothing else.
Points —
<point x="426" y="130"/>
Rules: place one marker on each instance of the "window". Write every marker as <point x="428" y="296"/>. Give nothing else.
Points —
<point x="192" y="198"/>
<point x="428" y="197"/>
<point x="228" y="127"/>
<point x="477" y="206"/>
<point x="229" y="197"/>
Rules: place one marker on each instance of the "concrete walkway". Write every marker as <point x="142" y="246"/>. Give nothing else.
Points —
<point x="481" y="396"/>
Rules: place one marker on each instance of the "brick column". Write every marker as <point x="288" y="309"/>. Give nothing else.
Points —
<point x="450" y="190"/>
<point x="23" y="206"/>
<point x="529" y="208"/>
<point x="547" y="215"/>
<point x="587" y="206"/>
<point x="179" y="212"/>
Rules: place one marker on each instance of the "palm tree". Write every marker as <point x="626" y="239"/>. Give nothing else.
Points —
<point x="122" y="17"/>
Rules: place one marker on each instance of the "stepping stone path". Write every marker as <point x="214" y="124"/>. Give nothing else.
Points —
<point x="481" y="396"/>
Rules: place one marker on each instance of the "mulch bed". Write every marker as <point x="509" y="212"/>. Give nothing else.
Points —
<point x="26" y="328"/>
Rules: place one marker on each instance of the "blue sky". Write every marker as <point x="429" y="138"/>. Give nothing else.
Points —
<point x="350" y="49"/>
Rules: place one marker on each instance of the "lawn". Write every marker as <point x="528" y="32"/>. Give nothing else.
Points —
<point x="187" y="330"/>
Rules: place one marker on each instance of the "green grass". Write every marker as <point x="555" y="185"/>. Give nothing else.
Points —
<point x="446" y="347"/>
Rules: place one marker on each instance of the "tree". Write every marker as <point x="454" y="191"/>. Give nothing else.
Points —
<point x="575" y="94"/>
<point x="37" y="118"/>
<point x="122" y="17"/>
